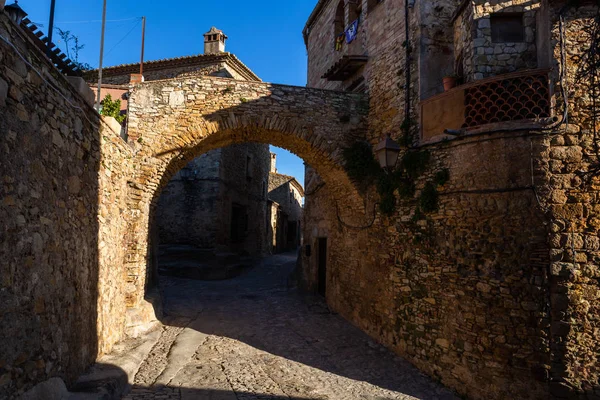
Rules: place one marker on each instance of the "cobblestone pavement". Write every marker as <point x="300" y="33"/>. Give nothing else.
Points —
<point x="253" y="338"/>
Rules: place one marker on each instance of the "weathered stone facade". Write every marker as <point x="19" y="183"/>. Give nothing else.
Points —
<point x="480" y="292"/>
<point x="196" y="206"/>
<point x="172" y="122"/>
<point x="62" y="206"/>
<point x="494" y="291"/>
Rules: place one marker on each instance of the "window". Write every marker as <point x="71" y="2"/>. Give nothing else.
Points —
<point x="339" y="19"/>
<point x="354" y="10"/>
<point x="507" y="27"/>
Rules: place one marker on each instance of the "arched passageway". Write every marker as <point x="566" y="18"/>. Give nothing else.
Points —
<point x="175" y="121"/>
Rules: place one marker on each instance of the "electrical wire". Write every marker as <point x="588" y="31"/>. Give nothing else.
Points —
<point x="124" y="37"/>
<point x="367" y="226"/>
<point x="89" y="22"/>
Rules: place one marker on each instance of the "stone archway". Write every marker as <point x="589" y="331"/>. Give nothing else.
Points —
<point x="174" y="121"/>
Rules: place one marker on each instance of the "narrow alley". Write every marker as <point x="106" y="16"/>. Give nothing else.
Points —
<point x="254" y="337"/>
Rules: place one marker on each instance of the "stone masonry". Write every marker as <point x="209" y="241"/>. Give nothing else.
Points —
<point x="62" y="207"/>
<point x="172" y="122"/>
<point x="493" y="293"/>
<point x="196" y="206"/>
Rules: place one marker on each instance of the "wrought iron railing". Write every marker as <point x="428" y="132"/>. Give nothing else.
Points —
<point x="514" y="97"/>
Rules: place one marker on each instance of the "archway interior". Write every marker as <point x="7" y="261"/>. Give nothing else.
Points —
<point x="225" y="210"/>
<point x="280" y="226"/>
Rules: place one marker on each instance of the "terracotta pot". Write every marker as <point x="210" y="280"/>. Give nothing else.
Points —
<point x="449" y="82"/>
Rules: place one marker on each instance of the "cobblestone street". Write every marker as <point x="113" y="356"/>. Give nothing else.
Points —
<point x="252" y="337"/>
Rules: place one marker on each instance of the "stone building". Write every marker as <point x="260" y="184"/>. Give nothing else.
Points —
<point x="217" y="201"/>
<point x="476" y="258"/>
<point x="286" y="196"/>
<point x="453" y="288"/>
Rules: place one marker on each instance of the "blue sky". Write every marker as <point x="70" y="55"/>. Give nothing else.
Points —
<point x="266" y="35"/>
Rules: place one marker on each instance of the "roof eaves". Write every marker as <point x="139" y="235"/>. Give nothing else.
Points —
<point x="311" y="19"/>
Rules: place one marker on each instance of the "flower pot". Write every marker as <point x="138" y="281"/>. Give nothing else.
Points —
<point x="449" y="82"/>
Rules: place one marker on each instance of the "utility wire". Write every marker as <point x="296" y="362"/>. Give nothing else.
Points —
<point x="92" y="21"/>
<point x="124" y="37"/>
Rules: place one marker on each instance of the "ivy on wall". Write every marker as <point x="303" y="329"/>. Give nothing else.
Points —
<point x="364" y="170"/>
<point x="588" y="76"/>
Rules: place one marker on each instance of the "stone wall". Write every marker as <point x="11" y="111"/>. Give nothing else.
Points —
<point x="188" y="205"/>
<point x="492" y="58"/>
<point x="155" y="74"/>
<point x="571" y="196"/>
<point x="284" y="192"/>
<point x="246" y="188"/>
<point x="174" y="121"/>
<point x="63" y="173"/>
<point x="480" y="292"/>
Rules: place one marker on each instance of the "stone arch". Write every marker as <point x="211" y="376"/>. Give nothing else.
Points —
<point x="172" y="122"/>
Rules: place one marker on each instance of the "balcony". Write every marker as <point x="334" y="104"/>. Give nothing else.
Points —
<point x="519" y="99"/>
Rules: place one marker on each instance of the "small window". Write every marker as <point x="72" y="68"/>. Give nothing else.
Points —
<point x="339" y="19"/>
<point x="507" y="27"/>
<point x="354" y="11"/>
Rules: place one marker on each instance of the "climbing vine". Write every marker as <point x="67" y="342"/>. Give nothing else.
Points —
<point x="364" y="170"/>
<point x="588" y="77"/>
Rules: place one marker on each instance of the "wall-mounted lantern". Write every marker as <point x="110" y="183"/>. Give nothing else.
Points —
<point x="387" y="152"/>
<point x="15" y="12"/>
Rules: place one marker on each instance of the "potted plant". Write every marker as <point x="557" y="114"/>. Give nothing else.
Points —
<point x="449" y="82"/>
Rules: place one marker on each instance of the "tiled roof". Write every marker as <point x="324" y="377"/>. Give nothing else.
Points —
<point x="202" y="59"/>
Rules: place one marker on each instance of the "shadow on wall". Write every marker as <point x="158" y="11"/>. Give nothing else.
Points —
<point x="49" y="232"/>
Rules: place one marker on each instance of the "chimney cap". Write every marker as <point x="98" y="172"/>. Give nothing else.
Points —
<point x="214" y="31"/>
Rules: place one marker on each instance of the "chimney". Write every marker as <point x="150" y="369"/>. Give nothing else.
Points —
<point x="274" y="163"/>
<point x="214" y="41"/>
<point x="135" y="78"/>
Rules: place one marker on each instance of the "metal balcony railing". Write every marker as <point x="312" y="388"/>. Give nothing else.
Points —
<point x="519" y="97"/>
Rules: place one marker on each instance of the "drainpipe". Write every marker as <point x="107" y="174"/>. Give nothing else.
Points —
<point x="407" y="4"/>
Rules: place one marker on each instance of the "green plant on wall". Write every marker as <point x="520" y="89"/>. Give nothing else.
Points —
<point x="364" y="170"/>
<point x="112" y="108"/>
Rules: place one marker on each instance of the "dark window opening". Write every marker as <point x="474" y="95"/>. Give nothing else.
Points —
<point x="239" y="223"/>
<point x="507" y="27"/>
<point x="354" y="11"/>
<point x="339" y="19"/>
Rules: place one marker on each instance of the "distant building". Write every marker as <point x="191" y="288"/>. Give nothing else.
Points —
<point x="285" y="210"/>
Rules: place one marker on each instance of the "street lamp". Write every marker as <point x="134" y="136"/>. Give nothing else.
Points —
<point x="387" y="152"/>
<point x="15" y="12"/>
